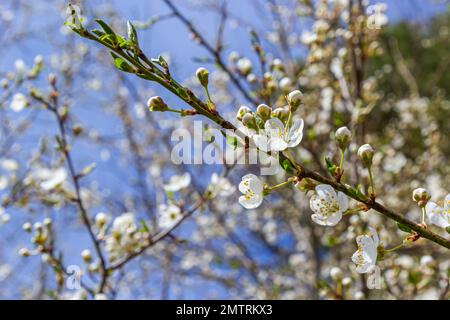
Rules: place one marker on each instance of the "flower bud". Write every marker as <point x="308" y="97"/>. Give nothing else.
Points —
<point x="294" y="99"/>
<point x="242" y="111"/>
<point x="86" y="255"/>
<point x="336" y="273"/>
<point x="47" y="222"/>
<point x="365" y="153"/>
<point x="285" y="84"/>
<point x="51" y="79"/>
<point x="251" y="78"/>
<point x="278" y="64"/>
<point x="244" y="66"/>
<point x="343" y="137"/>
<point x="24" y="252"/>
<point x="421" y="196"/>
<point x="249" y="121"/>
<point x="358" y="295"/>
<point x="101" y="219"/>
<point x="346" y="281"/>
<point x="27" y="227"/>
<point x="264" y="111"/>
<point x="157" y="104"/>
<point x="38" y="226"/>
<point x="202" y="75"/>
<point x="281" y="113"/>
<point x="233" y="57"/>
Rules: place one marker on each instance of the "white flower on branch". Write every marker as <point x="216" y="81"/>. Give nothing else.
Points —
<point x="49" y="178"/>
<point x="365" y="257"/>
<point x="252" y="188"/>
<point x="176" y="183"/>
<point x="18" y="102"/>
<point x="439" y="214"/>
<point x="277" y="137"/>
<point x="169" y="215"/>
<point x="328" y="206"/>
<point x="221" y="186"/>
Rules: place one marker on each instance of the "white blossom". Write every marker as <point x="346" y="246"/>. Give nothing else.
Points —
<point x="221" y="186"/>
<point x="9" y="164"/>
<point x="277" y="137"/>
<point x="365" y="257"/>
<point x="169" y="215"/>
<point x="438" y="213"/>
<point x="50" y="179"/>
<point x="252" y="188"/>
<point x="328" y="206"/>
<point x="244" y="65"/>
<point x="176" y="183"/>
<point x="18" y="102"/>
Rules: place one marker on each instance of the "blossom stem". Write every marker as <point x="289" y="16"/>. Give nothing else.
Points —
<point x="394" y="248"/>
<point x="288" y="155"/>
<point x="174" y="110"/>
<point x="288" y="122"/>
<point x="279" y="185"/>
<point x="423" y="215"/>
<point x="341" y="163"/>
<point x="371" y="180"/>
<point x="352" y="211"/>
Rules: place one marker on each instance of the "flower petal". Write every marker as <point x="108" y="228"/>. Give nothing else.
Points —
<point x="343" y="202"/>
<point x="251" y="203"/>
<point x="295" y="133"/>
<point x="326" y="192"/>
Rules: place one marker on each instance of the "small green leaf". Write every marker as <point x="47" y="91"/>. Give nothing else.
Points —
<point x="98" y="33"/>
<point x="144" y="226"/>
<point x="132" y="34"/>
<point x="161" y="62"/>
<point x="355" y="192"/>
<point x="88" y="169"/>
<point x="404" y="228"/>
<point x="331" y="167"/>
<point x="105" y="26"/>
<point x="233" y="141"/>
<point x="121" y="64"/>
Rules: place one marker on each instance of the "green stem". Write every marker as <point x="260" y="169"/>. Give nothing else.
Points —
<point x="288" y="155"/>
<point x="174" y="110"/>
<point x="288" y="122"/>
<point x="341" y="163"/>
<point x="351" y="211"/>
<point x="423" y="215"/>
<point x="279" y="185"/>
<point x="371" y="180"/>
<point x="394" y="248"/>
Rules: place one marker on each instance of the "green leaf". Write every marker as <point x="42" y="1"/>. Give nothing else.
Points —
<point x="123" y="43"/>
<point x="144" y="226"/>
<point x="132" y="34"/>
<point x="88" y="169"/>
<point x="121" y="64"/>
<point x="331" y="167"/>
<point x="98" y="33"/>
<point x="105" y="26"/>
<point x="404" y="228"/>
<point x="161" y="62"/>
<point x="233" y="141"/>
<point x="355" y="192"/>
